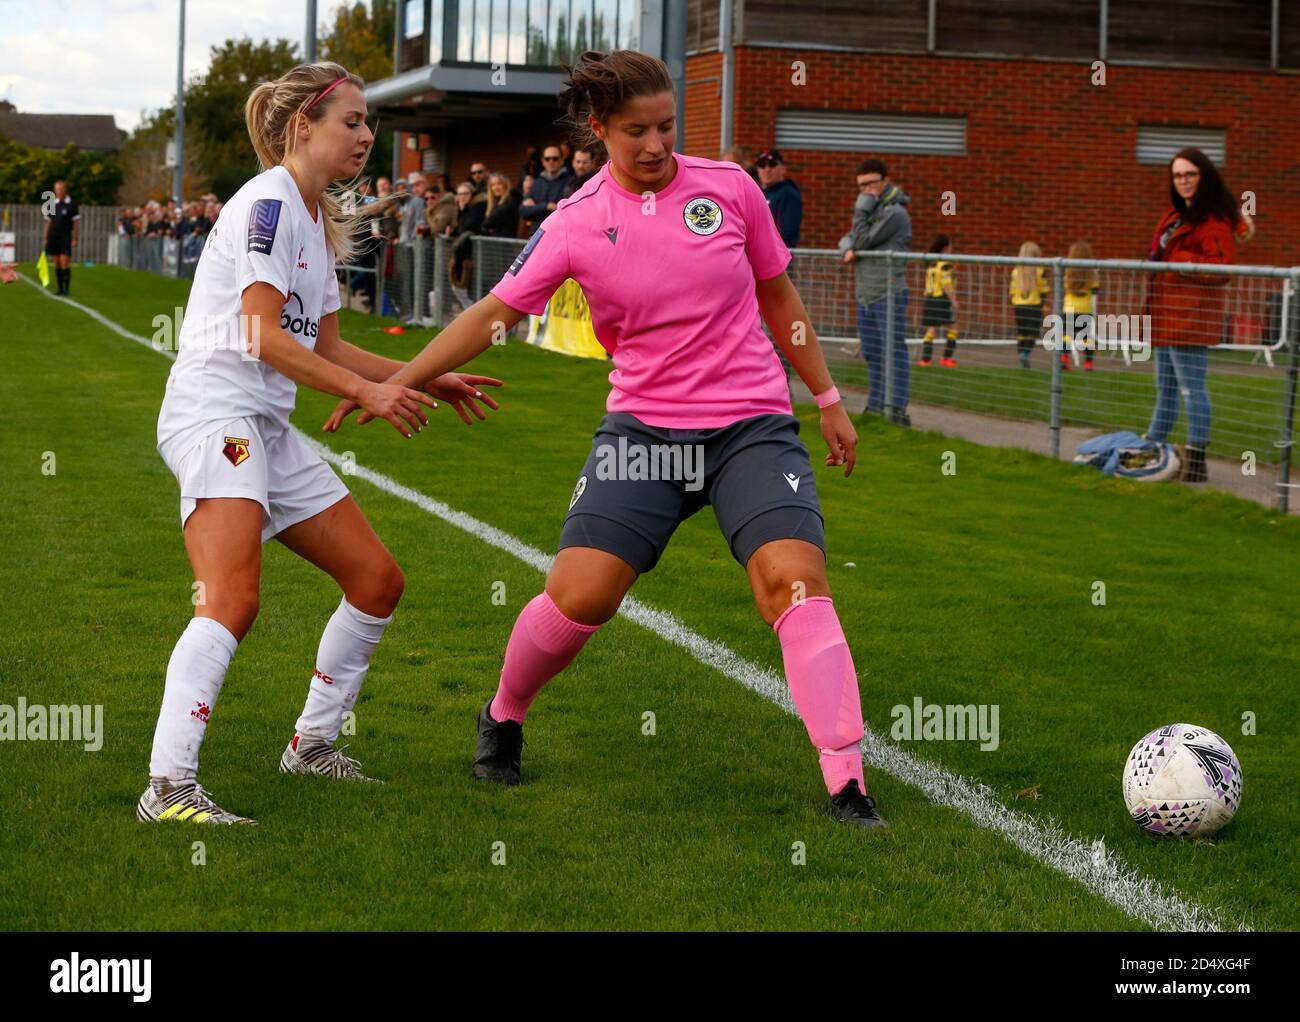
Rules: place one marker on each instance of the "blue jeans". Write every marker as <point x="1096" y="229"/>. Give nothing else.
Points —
<point x="871" y="338"/>
<point x="1180" y="375"/>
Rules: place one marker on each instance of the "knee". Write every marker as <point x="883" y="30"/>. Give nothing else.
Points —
<point x="778" y="592"/>
<point x="382" y="590"/>
<point x="236" y="609"/>
<point x="583" y="604"/>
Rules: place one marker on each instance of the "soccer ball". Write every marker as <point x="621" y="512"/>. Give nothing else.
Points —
<point x="1182" y="780"/>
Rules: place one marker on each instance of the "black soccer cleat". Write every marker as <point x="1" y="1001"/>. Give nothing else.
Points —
<point x="852" y="807"/>
<point x="499" y="747"/>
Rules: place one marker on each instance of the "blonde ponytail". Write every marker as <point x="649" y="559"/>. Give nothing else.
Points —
<point x="271" y="112"/>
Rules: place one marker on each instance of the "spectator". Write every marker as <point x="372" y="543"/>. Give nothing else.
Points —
<point x="548" y="187"/>
<point x="440" y="208"/>
<point x="411" y="212"/>
<point x="472" y="208"/>
<point x="478" y="175"/>
<point x="412" y="227"/>
<point x="1186" y="313"/>
<point x="1028" y="292"/>
<point x="532" y="163"/>
<point x="736" y="154"/>
<point x="939" y="310"/>
<point x="1081" y="287"/>
<point x="584" y="169"/>
<point x="385" y="226"/>
<point x="881" y="224"/>
<point x="783" y="196"/>
<point x="501" y="217"/>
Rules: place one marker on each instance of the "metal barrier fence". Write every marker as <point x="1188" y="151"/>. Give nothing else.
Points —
<point x="98" y="225"/>
<point x="434" y="279"/>
<point x="172" y="257"/>
<point x="1009" y="384"/>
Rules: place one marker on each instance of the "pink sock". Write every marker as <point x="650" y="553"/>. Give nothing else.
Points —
<point x="824" y="686"/>
<point x="541" y="645"/>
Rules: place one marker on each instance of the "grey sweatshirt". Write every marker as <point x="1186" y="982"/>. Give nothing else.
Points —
<point x="879" y="225"/>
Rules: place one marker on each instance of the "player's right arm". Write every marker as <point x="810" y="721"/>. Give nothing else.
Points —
<point x="469" y="335"/>
<point x="541" y="267"/>
<point x="262" y="304"/>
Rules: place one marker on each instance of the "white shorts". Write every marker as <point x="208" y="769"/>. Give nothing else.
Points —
<point x="263" y="461"/>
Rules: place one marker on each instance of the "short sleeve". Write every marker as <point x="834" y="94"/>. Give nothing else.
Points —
<point x="331" y="302"/>
<point x="74" y="209"/>
<point x="764" y="248"/>
<point x="539" y="269"/>
<point x="264" y="250"/>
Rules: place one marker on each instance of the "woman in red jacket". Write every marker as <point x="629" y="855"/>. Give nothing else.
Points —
<point x="1187" y="310"/>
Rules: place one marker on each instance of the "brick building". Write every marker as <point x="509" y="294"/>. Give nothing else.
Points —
<point x="1050" y="120"/>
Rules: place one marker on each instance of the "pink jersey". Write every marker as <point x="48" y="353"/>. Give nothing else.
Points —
<point x="670" y="284"/>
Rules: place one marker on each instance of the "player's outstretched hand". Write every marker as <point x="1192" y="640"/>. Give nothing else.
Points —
<point x="7" y="274"/>
<point x="460" y="391"/>
<point x="399" y="405"/>
<point x="341" y="411"/>
<point x="841" y="437"/>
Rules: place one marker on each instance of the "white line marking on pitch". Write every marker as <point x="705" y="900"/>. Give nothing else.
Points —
<point x="1091" y="864"/>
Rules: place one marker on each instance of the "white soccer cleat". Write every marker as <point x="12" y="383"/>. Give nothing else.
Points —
<point x="304" y="756"/>
<point x="186" y="802"/>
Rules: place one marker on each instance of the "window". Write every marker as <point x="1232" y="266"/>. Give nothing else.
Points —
<point x="1156" y="145"/>
<point x="1202" y="33"/>
<point x="870" y="133"/>
<point x="1023" y="28"/>
<point x="838" y="24"/>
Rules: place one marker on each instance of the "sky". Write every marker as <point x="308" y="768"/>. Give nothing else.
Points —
<point x="119" y="56"/>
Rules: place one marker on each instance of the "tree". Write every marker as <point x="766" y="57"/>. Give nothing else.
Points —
<point x="214" y="108"/>
<point x="143" y="157"/>
<point x="218" y="154"/>
<point x="362" y="41"/>
<point x="27" y="172"/>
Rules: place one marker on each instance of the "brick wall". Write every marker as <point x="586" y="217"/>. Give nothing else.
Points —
<point x="1050" y="157"/>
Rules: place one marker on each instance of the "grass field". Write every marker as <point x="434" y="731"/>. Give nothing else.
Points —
<point x="968" y="588"/>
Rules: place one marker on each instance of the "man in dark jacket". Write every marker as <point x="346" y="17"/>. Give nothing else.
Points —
<point x="548" y="188"/>
<point x="584" y="169"/>
<point x="783" y="196"/>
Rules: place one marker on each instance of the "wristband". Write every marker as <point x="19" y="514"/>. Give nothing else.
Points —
<point x="827" y="397"/>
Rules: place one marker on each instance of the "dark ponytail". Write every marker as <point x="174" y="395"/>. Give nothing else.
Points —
<point x="599" y="83"/>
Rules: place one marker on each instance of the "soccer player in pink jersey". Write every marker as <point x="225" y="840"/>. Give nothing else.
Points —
<point x="678" y="257"/>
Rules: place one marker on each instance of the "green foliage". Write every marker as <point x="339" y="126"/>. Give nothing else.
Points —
<point x="27" y="172"/>
<point x="214" y="108"/>
<point x="362" y="41"/>
<point x="218" y="154"/>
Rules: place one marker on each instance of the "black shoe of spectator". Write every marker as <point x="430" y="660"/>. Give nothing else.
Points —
<point x="1194" y="468"/>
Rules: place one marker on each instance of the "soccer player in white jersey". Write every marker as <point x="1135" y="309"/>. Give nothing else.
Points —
<point x="678" y="256"/>
<point x="262" y="318"/>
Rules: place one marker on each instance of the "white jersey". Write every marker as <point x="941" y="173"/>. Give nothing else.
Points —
<point x="264" y="233"/>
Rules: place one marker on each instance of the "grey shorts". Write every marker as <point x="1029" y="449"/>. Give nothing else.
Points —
<point x="640" y="482"/>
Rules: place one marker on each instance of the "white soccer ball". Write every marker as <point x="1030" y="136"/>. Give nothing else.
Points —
<point x="1182" y="780"/>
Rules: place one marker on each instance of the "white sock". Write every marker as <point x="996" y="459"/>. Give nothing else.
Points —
<point x="194" y="676"/>
<point x="346" y="646"/>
